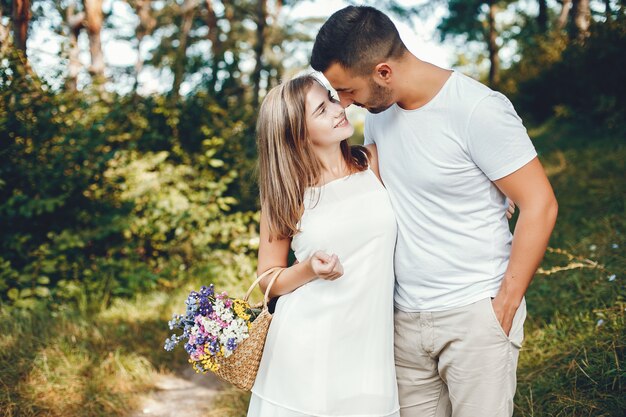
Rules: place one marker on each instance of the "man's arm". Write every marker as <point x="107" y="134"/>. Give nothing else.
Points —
<point x="530" y="189"/>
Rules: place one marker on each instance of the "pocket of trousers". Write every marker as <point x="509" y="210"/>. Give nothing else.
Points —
<point x="405" y="338"/>
<point x="516" y="334"/>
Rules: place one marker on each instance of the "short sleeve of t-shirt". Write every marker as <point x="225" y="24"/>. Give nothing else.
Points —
<point x="367" y="132"/>
<point x="497" y="140"/>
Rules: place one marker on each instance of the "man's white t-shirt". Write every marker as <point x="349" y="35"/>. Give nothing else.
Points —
<point x="438" y="163"/>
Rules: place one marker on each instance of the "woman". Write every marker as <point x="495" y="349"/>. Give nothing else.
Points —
<point x="329" y="349"/>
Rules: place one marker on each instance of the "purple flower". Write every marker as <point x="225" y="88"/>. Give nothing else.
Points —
<point x="214" y="347"/>
<point x="231" y="345"/>
<point x="207" y="292"/>
<point x="186" y="330"/>
<point x="192" y="304"/>
<point x="171" y="342"/>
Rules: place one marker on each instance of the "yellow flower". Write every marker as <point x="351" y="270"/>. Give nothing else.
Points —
<point x="240" y="308"/>
<point x="210" y="364"/>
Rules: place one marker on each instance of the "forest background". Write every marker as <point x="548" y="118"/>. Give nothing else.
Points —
<point x="122" y="187"/>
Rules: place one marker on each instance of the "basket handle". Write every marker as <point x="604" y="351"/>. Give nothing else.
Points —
<point x="277" y="271"/>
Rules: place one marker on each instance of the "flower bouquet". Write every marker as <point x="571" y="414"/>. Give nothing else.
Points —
<point x="223" y="335"/>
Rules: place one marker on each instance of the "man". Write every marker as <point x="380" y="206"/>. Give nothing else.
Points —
<point x="450" y="150"/>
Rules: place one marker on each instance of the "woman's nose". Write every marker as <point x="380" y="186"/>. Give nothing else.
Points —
<point x="337" y="109"/>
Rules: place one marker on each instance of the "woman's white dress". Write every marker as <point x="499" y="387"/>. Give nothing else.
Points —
<point x="329" y="348"/>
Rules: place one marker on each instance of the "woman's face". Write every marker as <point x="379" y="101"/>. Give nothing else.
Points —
<point x="325" y="118"/>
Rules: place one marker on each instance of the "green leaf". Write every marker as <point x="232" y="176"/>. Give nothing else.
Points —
<point x="216" y="163"/>
<point x="42" y="292"/>
<point x="43" y="280"/>
<point x="13" y="294"/>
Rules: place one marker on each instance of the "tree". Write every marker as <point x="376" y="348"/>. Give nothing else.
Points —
<point x="476" y="20"/>
<point x="93" y="23"/>
<point x="564" y="15"/>
<point x="5" y="34"/>
<point x="75" y="23"/>
<point x="261" y="17"/>
<point x="581" y="16"/>
<point x="542" y="17"/>
<point x="21" y="18"/>
<point x="576" y="17"/>
<point x="144" y="28"/>
<point x="187" y="13"/>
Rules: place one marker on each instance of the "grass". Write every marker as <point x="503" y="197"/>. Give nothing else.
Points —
<point x="230" y="403"/>
<point x="572" y="363"/>
<point x="68" y="363"/>
<point x="75" y="363"/>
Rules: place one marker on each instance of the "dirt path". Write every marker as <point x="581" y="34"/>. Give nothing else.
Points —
<point x="187" y="394"/>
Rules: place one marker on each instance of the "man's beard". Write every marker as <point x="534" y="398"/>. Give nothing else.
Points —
<point x="382" y="97"/>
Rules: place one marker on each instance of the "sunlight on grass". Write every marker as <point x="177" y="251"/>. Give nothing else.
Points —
<point x="230" y="403"/>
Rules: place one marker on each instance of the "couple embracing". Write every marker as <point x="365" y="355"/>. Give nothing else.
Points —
<point x="408" y="295"/>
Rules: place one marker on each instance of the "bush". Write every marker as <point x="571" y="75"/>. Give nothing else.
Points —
<point x="583" y="82"/>
<point x="104" y="196"/>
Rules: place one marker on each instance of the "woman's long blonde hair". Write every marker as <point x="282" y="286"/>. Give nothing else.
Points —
<point x="287" y="162"/>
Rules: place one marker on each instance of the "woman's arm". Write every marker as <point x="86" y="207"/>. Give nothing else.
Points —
<point x="374" y="160"/>
<point x="275" y="253"/>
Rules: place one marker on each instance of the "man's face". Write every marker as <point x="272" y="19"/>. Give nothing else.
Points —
<point x="362" y="91"/>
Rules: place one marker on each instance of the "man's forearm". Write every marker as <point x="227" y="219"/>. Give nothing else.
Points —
<point x="530" y="241"/>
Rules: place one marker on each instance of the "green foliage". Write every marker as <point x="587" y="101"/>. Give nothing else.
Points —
<point x="105" y="196"/>
<point x="576" y="80"/>
<point x="464" y="18"/>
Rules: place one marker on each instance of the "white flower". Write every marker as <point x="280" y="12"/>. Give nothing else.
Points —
<point x="210" y="326"/>
<point x="227" y="315"/>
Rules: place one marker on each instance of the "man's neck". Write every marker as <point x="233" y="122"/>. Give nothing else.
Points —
<point x="419" y="82"/>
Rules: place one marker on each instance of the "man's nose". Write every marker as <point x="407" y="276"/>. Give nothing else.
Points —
<point x="345" y="100"/>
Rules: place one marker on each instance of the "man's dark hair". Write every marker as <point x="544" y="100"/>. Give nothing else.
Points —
<point x="357" y="38"/>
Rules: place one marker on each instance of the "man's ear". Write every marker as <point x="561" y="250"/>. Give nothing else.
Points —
<point x="382" y="73"/>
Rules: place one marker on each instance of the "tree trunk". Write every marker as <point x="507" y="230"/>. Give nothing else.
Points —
<point x="75" y="22"/>
<point x="188" y="10"/>
<point x="494" y="59"/>
<point x="608" y="13"/>
<point x="581" y="18"/>
<point x="258" y="48"/>
<point x="93" y="23"/>
<point x="563" y="16"/>
<point x="542" y="18"/>
<point x="217" y="49"/>
<point x="146" y="25"/>
<point x="21" y="18"/>
<point x="5" y="35"/>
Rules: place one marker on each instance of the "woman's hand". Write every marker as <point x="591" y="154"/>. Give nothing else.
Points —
<point x="510" y="210"/>
<point x="326" y="266"/>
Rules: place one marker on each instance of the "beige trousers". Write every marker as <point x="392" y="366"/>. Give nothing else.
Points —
<point x="457" y="363"/>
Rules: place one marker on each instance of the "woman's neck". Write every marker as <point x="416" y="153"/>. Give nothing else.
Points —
<point x="333" y="165"/>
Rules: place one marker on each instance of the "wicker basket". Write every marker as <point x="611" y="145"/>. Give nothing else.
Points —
<point x="241" y="367"/>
